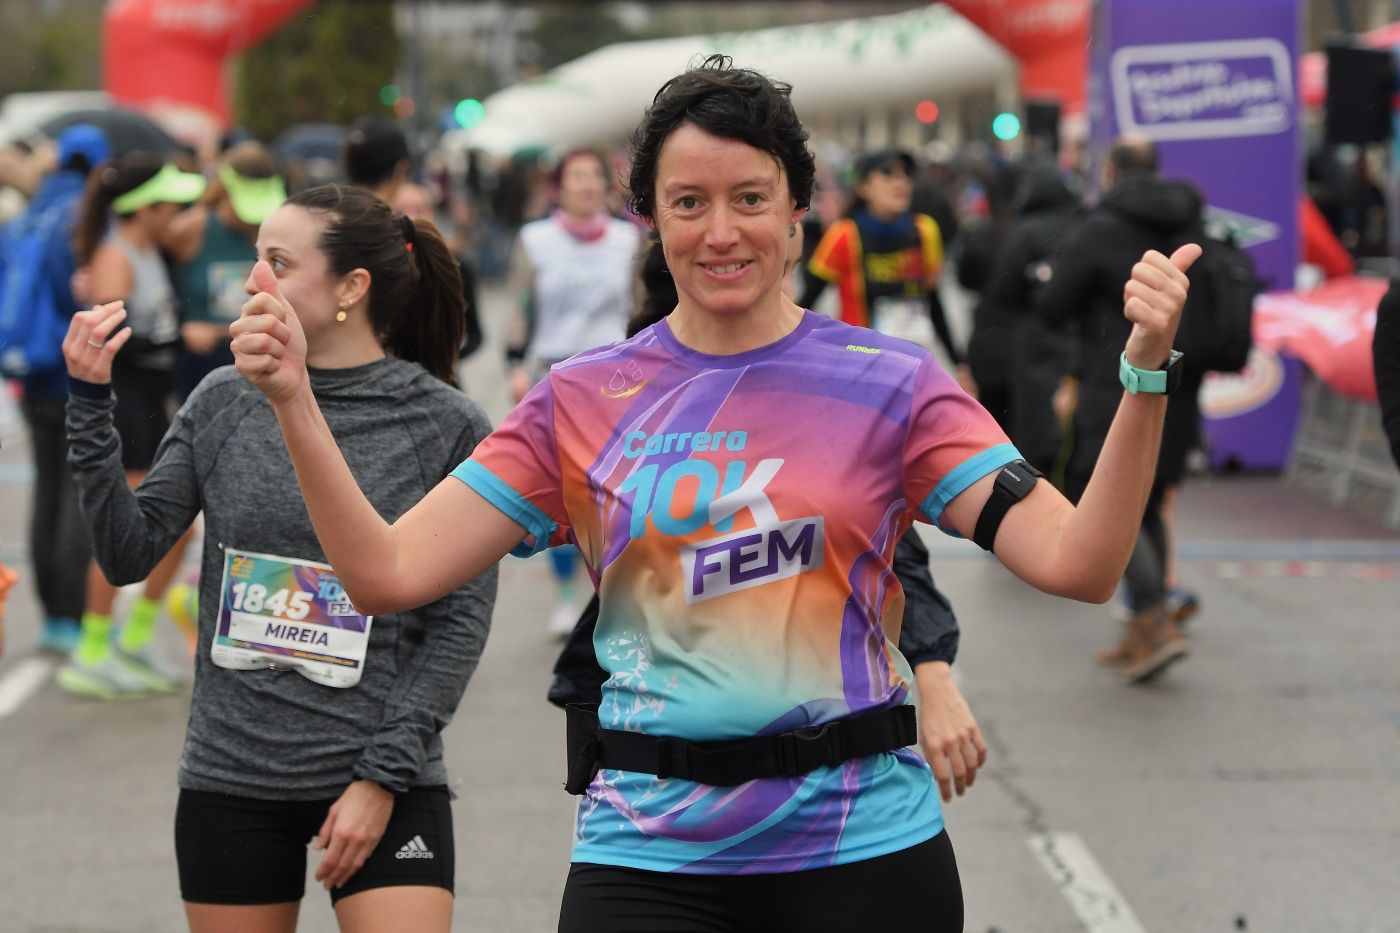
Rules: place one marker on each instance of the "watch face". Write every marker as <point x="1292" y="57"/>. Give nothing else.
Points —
<point x="1175" y="371"/>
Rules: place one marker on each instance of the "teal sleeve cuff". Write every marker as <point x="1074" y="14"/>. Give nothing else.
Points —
<point x="956" y="482"/>
<point x="516" y="507"/>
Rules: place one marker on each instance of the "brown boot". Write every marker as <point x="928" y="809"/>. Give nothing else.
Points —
<point x="1157" y="643"/>
<point x="1129" y="646"/>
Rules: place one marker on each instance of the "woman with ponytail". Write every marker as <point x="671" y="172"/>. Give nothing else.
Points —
<point x="127" y="210"/>
<point x="308" y="718"/>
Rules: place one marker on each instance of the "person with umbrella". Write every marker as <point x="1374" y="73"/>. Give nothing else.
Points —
<point x="37" y="297"/>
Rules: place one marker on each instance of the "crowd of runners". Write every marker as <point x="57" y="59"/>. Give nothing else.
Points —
<point x="762" y="722"/>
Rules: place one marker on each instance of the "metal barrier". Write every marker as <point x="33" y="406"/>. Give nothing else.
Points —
<point x="1342" y="450"/>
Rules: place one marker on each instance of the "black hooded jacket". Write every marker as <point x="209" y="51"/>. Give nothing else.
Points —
<point x="1385" y="348"/>
<point x="1045" y="209"/>
<point x="1085" y="294"/>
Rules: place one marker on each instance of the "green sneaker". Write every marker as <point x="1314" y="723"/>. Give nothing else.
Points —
<point x="148" y="667"/>
<point x="104" y="679"/>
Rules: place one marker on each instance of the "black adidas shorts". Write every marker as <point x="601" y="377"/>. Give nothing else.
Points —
<point x="238" y="850"/>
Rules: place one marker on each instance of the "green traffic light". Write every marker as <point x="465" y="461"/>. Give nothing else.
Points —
<point x="469" y="112"/>
<point x="389" y="95"/>
<point x="1006" y="127"/>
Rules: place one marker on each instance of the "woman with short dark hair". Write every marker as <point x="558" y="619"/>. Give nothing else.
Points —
<point x="736" y="477"/>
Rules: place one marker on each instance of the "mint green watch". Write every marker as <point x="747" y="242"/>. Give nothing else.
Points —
<point x="1152" y="381"/>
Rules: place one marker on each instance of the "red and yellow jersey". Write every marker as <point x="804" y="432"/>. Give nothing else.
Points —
<point x="871" y="261"/>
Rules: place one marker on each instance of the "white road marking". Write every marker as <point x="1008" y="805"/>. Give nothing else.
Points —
<point x="21" y="682"/>
<point x="1084" y="884"/>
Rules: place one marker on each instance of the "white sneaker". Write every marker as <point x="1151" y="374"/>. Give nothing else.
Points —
<point x="149" y="666"/>
<point x="562" y="619"/>
<point x="104" y="679"/>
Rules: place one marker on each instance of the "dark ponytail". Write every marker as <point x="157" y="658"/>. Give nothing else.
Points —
<point x="105" y="185"/>
<point x="415" y="292"/>
<point x="442" y="326"/>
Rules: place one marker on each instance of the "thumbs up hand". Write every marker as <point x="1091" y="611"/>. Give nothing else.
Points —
<point x="1152" y="300"/>
<point x="269" y="348"/>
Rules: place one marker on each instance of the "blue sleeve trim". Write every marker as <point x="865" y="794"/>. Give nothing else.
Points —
<point x="499" y="493"/>
<point x="964" y="475"/>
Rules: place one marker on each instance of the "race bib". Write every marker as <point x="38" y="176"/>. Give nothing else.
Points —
<point x="281" y="612"/>
<point x="905" y="318"/>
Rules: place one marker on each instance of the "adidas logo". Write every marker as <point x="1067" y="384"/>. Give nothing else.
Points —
<point x="414" y="848"/>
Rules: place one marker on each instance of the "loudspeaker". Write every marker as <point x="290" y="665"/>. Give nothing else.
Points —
<point x="1360" y="83"/>
<point x="1043" y="122"/>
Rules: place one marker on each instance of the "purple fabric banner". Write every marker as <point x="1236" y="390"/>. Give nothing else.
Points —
<point x="1213" y="82"/>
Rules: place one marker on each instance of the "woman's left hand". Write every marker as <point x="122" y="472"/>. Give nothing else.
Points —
<point x="89" y="345"/>
<point x="948" y="734"/>
<point x="352" y="829"/>
<point x="1152" y="300"/>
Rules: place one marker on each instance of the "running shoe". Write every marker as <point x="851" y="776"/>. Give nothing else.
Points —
<point x="59" y="635"/>
<point x="148" y="666"/>
<point x="104" y="679"/>
<point x="182" y="605"/>
<point x="562" y="619"/>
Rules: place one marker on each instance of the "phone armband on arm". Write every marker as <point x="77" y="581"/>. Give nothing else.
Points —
<point x="1014" y="482"/>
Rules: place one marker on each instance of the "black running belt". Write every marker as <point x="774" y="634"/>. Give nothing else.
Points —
<point x="786" y="754"/>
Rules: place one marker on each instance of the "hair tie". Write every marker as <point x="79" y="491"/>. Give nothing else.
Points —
<point x="410" y="232"/>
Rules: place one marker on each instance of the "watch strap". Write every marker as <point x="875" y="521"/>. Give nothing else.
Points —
<point x="1151" y="381"/>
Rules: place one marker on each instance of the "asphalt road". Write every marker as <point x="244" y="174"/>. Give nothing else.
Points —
<point x="1255" y="787"/>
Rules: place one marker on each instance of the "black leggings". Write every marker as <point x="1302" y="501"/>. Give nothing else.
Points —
<point x="916" y="890"/>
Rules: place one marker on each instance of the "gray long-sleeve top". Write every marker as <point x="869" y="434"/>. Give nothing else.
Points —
<point x="274" y="734"/>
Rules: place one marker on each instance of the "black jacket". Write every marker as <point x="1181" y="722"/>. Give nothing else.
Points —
<point x="1385" y="350"/>
<point x="1046" y="208"/>
<point x="1085" y="293"/>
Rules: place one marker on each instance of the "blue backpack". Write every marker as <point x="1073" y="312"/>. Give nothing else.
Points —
<point x="32" y="325"/>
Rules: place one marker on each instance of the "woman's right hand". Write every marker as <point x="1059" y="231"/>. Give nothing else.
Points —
<point x="89" y="346"/>
<point x="269" y="348"/>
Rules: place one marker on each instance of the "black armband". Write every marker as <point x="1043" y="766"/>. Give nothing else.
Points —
<point x="1014" y="482"/>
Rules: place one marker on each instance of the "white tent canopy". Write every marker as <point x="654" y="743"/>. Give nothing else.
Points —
<point x="835" y="68"/>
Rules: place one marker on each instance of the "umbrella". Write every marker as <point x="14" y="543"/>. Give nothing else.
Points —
<point x="310" y="141"/>
<point x="311" y="152"/>
<point x="127" y="130"/>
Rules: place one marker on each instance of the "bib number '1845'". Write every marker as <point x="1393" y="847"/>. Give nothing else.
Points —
<point x="283" y="612"/>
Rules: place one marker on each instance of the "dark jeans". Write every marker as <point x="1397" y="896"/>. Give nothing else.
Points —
<point x="1146" y="575"/>
<point x="58" y="542"/>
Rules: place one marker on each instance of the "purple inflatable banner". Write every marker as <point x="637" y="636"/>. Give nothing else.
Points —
<point x="1213" y="83"/>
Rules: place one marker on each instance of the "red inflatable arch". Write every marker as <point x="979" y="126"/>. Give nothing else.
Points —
<point x="1050" y="38"/>
<point x="170" y="57"/>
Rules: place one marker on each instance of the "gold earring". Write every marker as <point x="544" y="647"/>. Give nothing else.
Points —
<point x="342" y="314"/>
<point x="792" y="231"/>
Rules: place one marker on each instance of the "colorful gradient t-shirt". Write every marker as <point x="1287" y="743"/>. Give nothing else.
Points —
<point x="739" y="515"/>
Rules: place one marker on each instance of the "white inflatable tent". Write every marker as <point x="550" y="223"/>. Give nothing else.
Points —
<point x="838" y="69"/>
